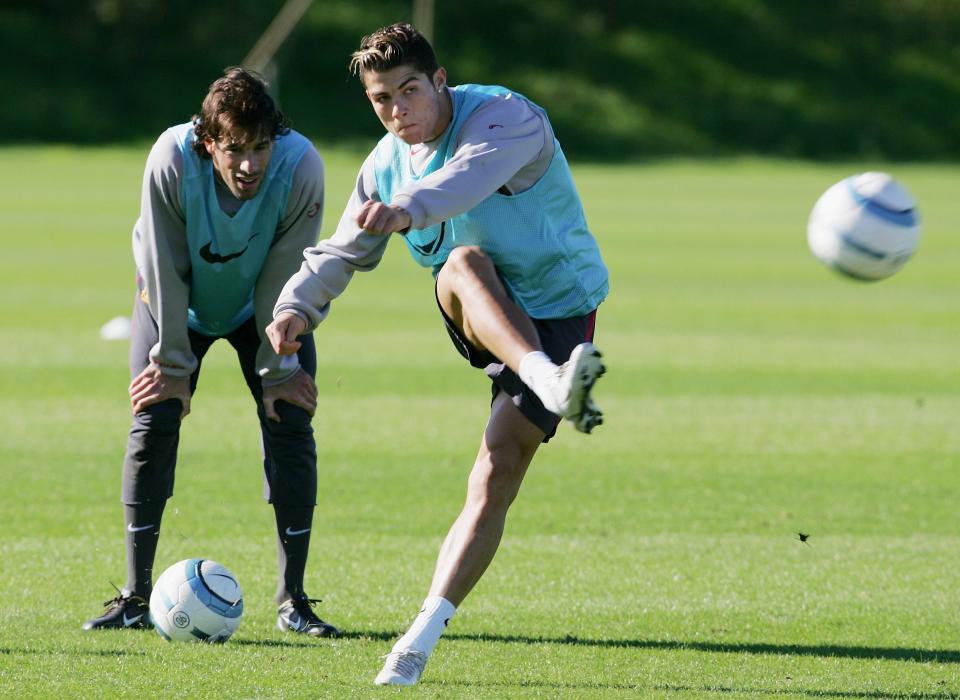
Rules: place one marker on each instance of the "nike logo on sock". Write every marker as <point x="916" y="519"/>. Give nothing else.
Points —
<point x="294" y="533"/>
<point x="446" y="622"/>
<point x="127" y="621"/>
<point x="131" y="528"/>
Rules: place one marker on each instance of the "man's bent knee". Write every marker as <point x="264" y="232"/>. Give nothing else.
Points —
<point x="163" y="417"/>
<point x="465" y="264"/>
<point x="467" y="259"/>
<point x="295" y="422"/>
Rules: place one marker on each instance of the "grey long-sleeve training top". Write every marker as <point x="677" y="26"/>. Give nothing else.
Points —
<point x="163" y="259"/>
<point x="505" y="143"/>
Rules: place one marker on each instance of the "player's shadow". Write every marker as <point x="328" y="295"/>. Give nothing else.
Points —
<point x="949" y="656"/>
<point x="772" y="692"/>
<point x="484" y="686"/>
<point x="281" y="643"/>
<point x="107" y="653"/>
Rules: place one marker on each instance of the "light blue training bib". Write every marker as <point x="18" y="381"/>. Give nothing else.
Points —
<point x="538" y="239"/>
<point x="228" y="252"/>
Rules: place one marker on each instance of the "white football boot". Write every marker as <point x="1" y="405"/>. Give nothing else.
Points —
<point x="402" y="668"/>
<point x="574" y="381"/>
<point x="590" y="418"/>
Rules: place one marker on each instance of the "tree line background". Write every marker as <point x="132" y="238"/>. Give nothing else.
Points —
<point x="621" y="79"/>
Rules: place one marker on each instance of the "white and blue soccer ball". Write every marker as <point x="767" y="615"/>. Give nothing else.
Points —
<point x="196" y="600"/>
<point x="865" y="226"/>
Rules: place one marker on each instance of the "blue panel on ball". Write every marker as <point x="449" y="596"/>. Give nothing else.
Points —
<point x="191" y="569"/>
<point x="861" y="248"/>
<point x="907" y="217"/>
<point x="225" y="609"/>
<point x="199" y="587"/>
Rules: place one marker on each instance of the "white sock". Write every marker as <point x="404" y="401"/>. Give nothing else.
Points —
<point x="539" y="372"/>
<point x="425" y="631"/>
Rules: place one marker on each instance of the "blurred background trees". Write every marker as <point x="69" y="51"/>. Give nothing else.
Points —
<point x="622" y="79"/>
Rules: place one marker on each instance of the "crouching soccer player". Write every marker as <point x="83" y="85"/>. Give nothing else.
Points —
<point x="229" y="202"/>
<point x="475" y="182"/>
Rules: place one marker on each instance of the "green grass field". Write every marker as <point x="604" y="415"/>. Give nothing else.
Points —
<point x="751" y="395"/>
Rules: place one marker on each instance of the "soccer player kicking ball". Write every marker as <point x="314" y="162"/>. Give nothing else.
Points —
<point x="229" y="202"/>
<point x="475" y="182"/>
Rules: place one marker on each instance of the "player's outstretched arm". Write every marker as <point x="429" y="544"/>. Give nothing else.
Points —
<point x="283" y="331"/>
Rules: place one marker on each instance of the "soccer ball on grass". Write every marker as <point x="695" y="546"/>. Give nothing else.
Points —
<point x="865" y="226"/>
<point x="196" y="600"/>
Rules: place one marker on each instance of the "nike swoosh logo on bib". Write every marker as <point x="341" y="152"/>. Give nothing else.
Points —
<point x="213" y="258"/>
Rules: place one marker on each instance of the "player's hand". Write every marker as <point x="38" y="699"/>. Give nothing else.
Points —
<point x="299" y="389"/>
<point x="153" y="386"/>
<point x="380" y="218"/>
<point x="283" y="332"/>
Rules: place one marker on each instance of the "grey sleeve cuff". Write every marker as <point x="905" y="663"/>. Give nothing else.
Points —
<point x="313" y="316"/>
<point x="417" y="212"/>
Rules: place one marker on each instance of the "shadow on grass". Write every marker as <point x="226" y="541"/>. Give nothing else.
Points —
<point x="277" y="643"/>
<point x="945" y="656"/>
<point x="26" y="651"/>
<point x="686" y="689"/>
<point x="767" y="692"/>
<point x="830" y="650"/>
<point x="299" y="641"/>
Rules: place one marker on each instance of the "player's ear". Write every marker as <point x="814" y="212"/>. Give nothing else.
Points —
<point x="209" y="144"/>
<point x="440" y="79"/>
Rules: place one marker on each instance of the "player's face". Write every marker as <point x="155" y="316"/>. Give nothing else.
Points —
<point x="240" y="165"/>
<point x="411" y="105"/>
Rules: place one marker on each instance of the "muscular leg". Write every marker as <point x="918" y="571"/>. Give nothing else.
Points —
<point x="474" y="298"/>
<point x="508" y="446"/>
<point x="475" y="302"/>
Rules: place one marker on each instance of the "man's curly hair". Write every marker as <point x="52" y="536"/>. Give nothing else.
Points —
<point x="238" y="106"/>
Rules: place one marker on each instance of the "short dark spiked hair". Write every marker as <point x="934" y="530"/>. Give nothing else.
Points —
<point x="238" y="105"/>
<point x="389" y="47"/>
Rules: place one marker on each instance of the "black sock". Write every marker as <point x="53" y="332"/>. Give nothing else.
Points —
<point x="142" y="531"/>
<point x="293" y="540"/>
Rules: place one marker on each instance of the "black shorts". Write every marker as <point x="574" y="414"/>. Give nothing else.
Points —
<point x="558" y="336"/>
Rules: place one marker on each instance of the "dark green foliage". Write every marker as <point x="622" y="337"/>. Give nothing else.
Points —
<point x="621" y="79"/>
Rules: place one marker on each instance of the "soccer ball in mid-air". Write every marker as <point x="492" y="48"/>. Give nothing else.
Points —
<point x="196" y="600"/>
<point x="865" y="226"/>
